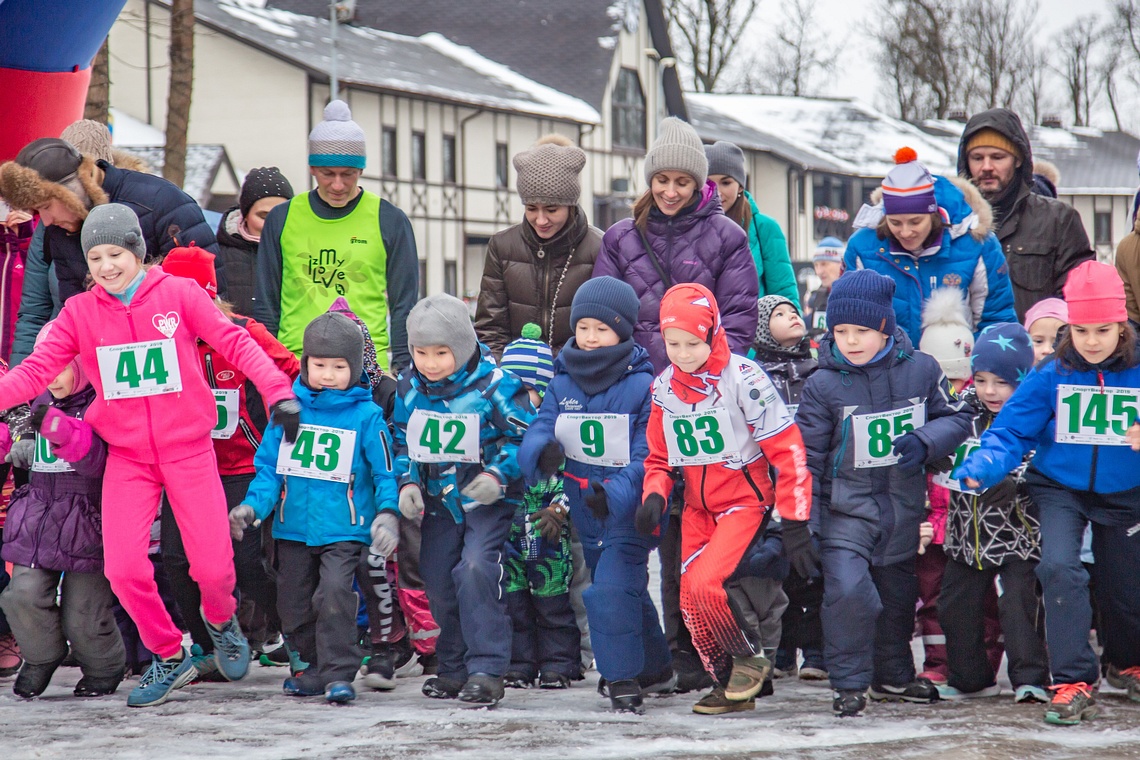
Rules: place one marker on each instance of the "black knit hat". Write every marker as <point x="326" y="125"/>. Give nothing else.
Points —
<point x="263" y="182"/>
<point x="609" y="300"/>
<point x="53" y="159"/>
<point x="332" y="335"/>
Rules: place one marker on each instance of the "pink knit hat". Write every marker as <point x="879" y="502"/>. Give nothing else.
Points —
<point x="1050" y="307"/>
<point x="76" y="367"/>
<point x="1094" y="293"/>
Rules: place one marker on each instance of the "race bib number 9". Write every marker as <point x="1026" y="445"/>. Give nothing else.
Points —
<point x="598" y="439"/>
<point x="704" y="437"/>
<point x="226" y="399"/>
<point x="439" y="437"/>
<point x="946" y="479"/>
<point x="875" y="434"/>
<point x="131" y="370"/>
<point x="1086" y="414"/>
<point x="45" y="459"/>
<point x="322" y="453"/>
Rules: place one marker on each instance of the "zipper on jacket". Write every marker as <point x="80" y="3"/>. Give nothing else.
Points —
<point x="1095" y="448"/>
<point x="146" y="399"/>
<point x="209" y="361"/>
<point x="704" y="472"/>
<point x="248" y="432"/>
<point x="839" y="452"/>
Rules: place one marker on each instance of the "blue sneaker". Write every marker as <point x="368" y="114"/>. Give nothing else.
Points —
<point x="340" y="692"/>
<point x="950" y="693"/>
<point x="302" y="686"/>
<point x="231" y="650"/>
<point x="161" y="678"/>
<point x="1027" y="693"/>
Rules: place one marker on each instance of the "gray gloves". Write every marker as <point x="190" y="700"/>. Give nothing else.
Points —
<point x="484" y="489"/>
<point x="411" y="502"/>
<point x="385" y="533"/>
<point x="22" y="453"/>
<point x="241" y="517"/>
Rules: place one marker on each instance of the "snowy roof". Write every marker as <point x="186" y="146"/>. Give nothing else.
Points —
<point x="127" y="130"/>
<point x="203" y="162"/>
<point x="430" y="66"/>
<point x="713" y="125"/>
<point x="841" y="135"/>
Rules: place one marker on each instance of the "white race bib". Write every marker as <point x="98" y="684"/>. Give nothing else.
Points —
<point x="1087" y="414"/>
<point x="46" y="460"/>
<point x="226" y="399"/>
<point x="323" y="453"/>
<point x="443" y="437"/>
<point x="599" y="439"/>
<point x="875" y="434"/>
<point x="947" y="479"/>
<point x="131" y="370"/>
<point x="704" y="437"/>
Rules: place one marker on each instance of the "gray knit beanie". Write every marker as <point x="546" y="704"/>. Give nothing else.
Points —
<point x="91" y="138"/>
<point x="443" y="320"/>
<point x="677" y="148"/>
<point x="115" y="224"/>
<point x="333" y="336"/>
<point x="727" y="159"/>
<point x="338" y="140"/>
<point x="548" y="174"/>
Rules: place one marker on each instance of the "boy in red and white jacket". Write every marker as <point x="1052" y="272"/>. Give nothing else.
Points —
<point x="717" y="416"/>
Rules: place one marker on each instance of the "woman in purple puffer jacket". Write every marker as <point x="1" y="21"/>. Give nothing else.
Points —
<point x="679" y="233"/>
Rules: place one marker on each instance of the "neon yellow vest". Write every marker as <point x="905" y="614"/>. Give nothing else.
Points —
<point x="325" y="259"/>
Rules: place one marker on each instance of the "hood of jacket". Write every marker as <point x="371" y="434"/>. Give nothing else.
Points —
<point x="961" y="204"/>
<point x="228" y="235"/>
<point x="902" y="351"/>
<point x="1006" y="122"/>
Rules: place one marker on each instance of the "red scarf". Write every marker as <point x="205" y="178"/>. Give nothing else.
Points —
<point x="692" y="308"/>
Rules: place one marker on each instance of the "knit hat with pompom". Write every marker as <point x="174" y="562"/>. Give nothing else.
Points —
<point x="338" y="140"/>
<point x="908" y="187"/>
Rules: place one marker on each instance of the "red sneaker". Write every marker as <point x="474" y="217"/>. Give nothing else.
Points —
<point x="10" y="660"/>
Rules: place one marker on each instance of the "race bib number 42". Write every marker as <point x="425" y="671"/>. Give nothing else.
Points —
<point x="1091" y="415"/>
<point x="875" y="434"/>
<point x="226" y="399"/>
<point x="704" y="437"/>
<point x="322" y="453"/>
<point x="598" y="439"/>
<point x="131" y="370"/>
<point x="439" y="437"/>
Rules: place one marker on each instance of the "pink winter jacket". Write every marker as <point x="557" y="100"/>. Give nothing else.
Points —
<point x="149" y="429"/>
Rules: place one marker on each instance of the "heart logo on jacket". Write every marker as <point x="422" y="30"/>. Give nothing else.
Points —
<point x="166" y="323"/>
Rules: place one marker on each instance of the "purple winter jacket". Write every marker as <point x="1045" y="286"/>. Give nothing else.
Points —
<point x="55" y="522"/>
<point x="700" y="244"/>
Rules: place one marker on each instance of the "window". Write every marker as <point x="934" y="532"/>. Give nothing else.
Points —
<point x="1102" y="227"/>
<point x="832" y="210"/>
<point x="388" y="151"/>
<point x="419" y="156"/>
<point x="628" y="111"/>
<point x="450" y="278"/>
<point x="448" y="158"/>
<point x="502" y="176"/>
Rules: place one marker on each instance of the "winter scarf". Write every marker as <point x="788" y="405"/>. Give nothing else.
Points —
<point x="692" y="307"/>
<point x="598" y="370"/>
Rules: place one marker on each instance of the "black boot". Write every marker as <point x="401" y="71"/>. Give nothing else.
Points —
<point x="625" y="696"/>
<point x="380" y="670"/>
<point x="97" y="686"/>
<point x="33" y="679"/>
<point x="691" y="674"/>
<point x="482" y="690"/>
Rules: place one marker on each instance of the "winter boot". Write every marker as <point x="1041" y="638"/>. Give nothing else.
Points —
<point x="514" y="679"/>
<point x="848" y="703"/>
<point x="1128" y="679"/>
<point x="379" y="670"/>
<point x="625" y="696"/>
<point x="339" y="693"/>
<point x="1071" y="703"/>
<point x="717" y="703"/>
<point x="441" y="687"/>
<point x="303" y="685"/>
<point x="98" y="686"/>
<point x="662" y="683"/>
<point x="768" y="689"/>
<point x="691" y="674"/>
<point x="548" y="679"/>
<point x="919" y="691"/>
<point x="748" y="675"/>
<point x="482" y="690"/>
<point x="162" y="678"/>
<point x="231" y="650"/>
<point x="10" y="660"/>
<point x="33" y="679"/>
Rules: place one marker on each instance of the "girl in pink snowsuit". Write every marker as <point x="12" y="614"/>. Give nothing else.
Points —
<point x="136" y="334"/>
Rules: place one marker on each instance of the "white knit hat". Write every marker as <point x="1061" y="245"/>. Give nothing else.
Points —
<point x="946" y="332"/>
<point x="677" y="148"/>
<point x="338" y="140"/>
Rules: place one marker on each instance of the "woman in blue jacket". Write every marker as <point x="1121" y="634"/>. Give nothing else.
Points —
<point x="930" y="232"/>
<point x="1079" y="410"/>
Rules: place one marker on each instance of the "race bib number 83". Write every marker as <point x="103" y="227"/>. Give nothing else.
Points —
<point x="1090" y="415"/>
<point x="322" y="453"/>
<point x="703" y="437"/>
<point x="875" y="434"/>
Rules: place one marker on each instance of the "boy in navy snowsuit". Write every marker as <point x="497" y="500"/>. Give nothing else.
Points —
<point x="594" y="415"/>
<point x="872" y="416"/>
<point x="459" y="421"/>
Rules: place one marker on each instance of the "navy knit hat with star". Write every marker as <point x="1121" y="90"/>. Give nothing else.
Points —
<point x="1005" y="350"/>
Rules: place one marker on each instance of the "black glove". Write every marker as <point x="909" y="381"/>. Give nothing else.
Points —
<point x="287" y="414"/>
<point x="912" y="453"/>
<point x="597" y="501"/>
<point x="799" y="548"/>
<point x="38" y="415"/>
<point x="550" y="459"/>
<point x="649" y="514"/>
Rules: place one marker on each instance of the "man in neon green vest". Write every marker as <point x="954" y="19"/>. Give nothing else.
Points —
<point x="338" y="240"/>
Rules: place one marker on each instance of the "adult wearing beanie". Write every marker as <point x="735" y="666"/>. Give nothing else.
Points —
<point x="365" y="250"/>
<point x="765" y="238"/>
<point x="927" y="233"/>
<point x="1042" y="238"/>
<point x="533" y="269"/>
<point x="239" y="233"/>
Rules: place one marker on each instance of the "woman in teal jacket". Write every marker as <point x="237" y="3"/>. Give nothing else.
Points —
<point x="765" y="238"/>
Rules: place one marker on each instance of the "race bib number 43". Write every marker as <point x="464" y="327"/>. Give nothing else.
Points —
<point x="875" y="434"/>
<point x="131" y="370"/>
<point x="439" y="437"/>
<point x="322" y="453"/>
<point x="704" y="437"/>
<point x="599" y="439"/>
<point x="1087" y="414"/>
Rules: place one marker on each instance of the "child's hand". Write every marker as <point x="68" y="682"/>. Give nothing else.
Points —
<point x="241" y="517"/>
<point x="925" y="536"/>
<point x="972" y="484"/>
<point x="550" y="459"/>
<point x="549" y="521"/>
<point x="597" y="500"/>
<point x="411" y="502"/>
<point x="649" y="514"/>
<point x="1133" y="436"/>
<point x="484" y="489"/>
<point x="385" y="533"/>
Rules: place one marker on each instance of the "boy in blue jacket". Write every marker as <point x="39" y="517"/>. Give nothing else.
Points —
<point x="872" y="416"/>
<point x="459" y="421"/>
<point x="340" y="495"/>
<point x="594" y="416"/>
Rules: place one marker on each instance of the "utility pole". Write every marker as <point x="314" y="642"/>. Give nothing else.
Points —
<point x="333" y="84"/>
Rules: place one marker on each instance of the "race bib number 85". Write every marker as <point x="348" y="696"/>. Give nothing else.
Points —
<point x="875" y="434"/>
<point x="1086" y="414"/>
<point x="704" y="437"/>
<point x="322" y="453"/>
<point x="131" y="370"/>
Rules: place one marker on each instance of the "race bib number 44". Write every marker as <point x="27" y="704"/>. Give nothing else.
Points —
<point x="598" y="439"/>
<point x="875" y="434"/>
<point x="1091" y="415"/>
<point x="440" y="437"/>
<point x="322" y="453"/>
<point x="131" y="370"/>
<point x="226" y="399"/>
<point x="704" y="437"/>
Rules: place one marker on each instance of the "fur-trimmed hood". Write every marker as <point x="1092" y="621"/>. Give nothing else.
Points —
<point x="961" y="204"/>
<point x="25" y="188"/>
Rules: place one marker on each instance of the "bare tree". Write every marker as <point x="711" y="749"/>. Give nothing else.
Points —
<point x="181" y="84"/>
<point x="1076" y="43"/>
<point x="998" y="37"/>
<point x="709" y="32"/>
<point x="1035" y="95"/>
<point x="99" y="90"/>
<point x="923" y="56"/>
<point x="798" y="52"/>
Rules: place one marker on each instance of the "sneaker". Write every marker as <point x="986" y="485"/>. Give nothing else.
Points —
<point x="934" y="676"/>
<point x="945" y="691"/>
<point x="275" y="657"/>
<point x="379" y="669"/>
<point x="161" y="678"/>
<point x="691" y="674"/>
<point x="97" y="686"/>
<point x="302" y="686"/>
<point x="788" y="672"/>
<point x="1071" y="703"/>
<point x="1027" y="693"/>
<point x="848" y="703"/>
<point x="339" y="693"/>
<point x="919" y="691"/>
<point x="663" y="682"/>
<point x="517" y="680"/>
<point x="10" y="660"/>
<point x="206" y="666"/>
<point x="33" y="679"/>
<point x="405" y="660"/>
<point x="768" y="689"/>
<point x="748" y="675"/>
<point x="231" y="650"/>
<point x="625" y="696"/>
<point x="811" y="673"/>
<point x="482" y="690"/>
<point x="716" y="702"/>
<point x="548" y="679"/>
<point x="430" y="664"/>
<point x="1128" y="679"/>
<point x="441" y="687"/>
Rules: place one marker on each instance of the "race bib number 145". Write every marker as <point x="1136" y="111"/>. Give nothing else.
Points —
<point x="1091" y="415"/>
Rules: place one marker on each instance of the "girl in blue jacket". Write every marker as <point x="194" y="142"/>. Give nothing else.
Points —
<point x="594" y="415"/>
<point x="1079" y="410"/>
